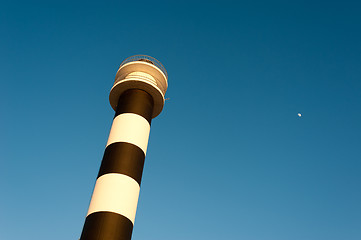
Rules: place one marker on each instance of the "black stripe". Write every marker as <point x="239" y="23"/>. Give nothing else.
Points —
<point x="136" y="101"/>
<point x="124" y="158"/>
<point x="106" y="226"/>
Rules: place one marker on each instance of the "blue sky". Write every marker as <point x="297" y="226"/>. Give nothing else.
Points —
<point x="228" y="158"/>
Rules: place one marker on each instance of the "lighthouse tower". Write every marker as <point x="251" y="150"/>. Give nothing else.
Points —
<point x="137" y="97"/>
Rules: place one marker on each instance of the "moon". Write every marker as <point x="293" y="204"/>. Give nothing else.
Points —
<point x="299" y="114"/>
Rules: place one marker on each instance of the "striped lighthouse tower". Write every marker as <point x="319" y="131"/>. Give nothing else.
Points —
<point x="137" y="96"/>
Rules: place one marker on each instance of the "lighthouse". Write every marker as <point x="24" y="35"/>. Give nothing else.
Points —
<point x="137" y="97"/>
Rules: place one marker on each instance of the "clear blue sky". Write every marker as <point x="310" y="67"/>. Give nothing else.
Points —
<point x="228" y="158"/>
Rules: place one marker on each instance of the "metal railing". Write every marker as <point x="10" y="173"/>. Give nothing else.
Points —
<point x="147" y="59"/>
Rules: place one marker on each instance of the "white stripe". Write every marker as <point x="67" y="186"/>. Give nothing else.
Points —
<point x="131" y="128"/>
<point x="116" y="193"/>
